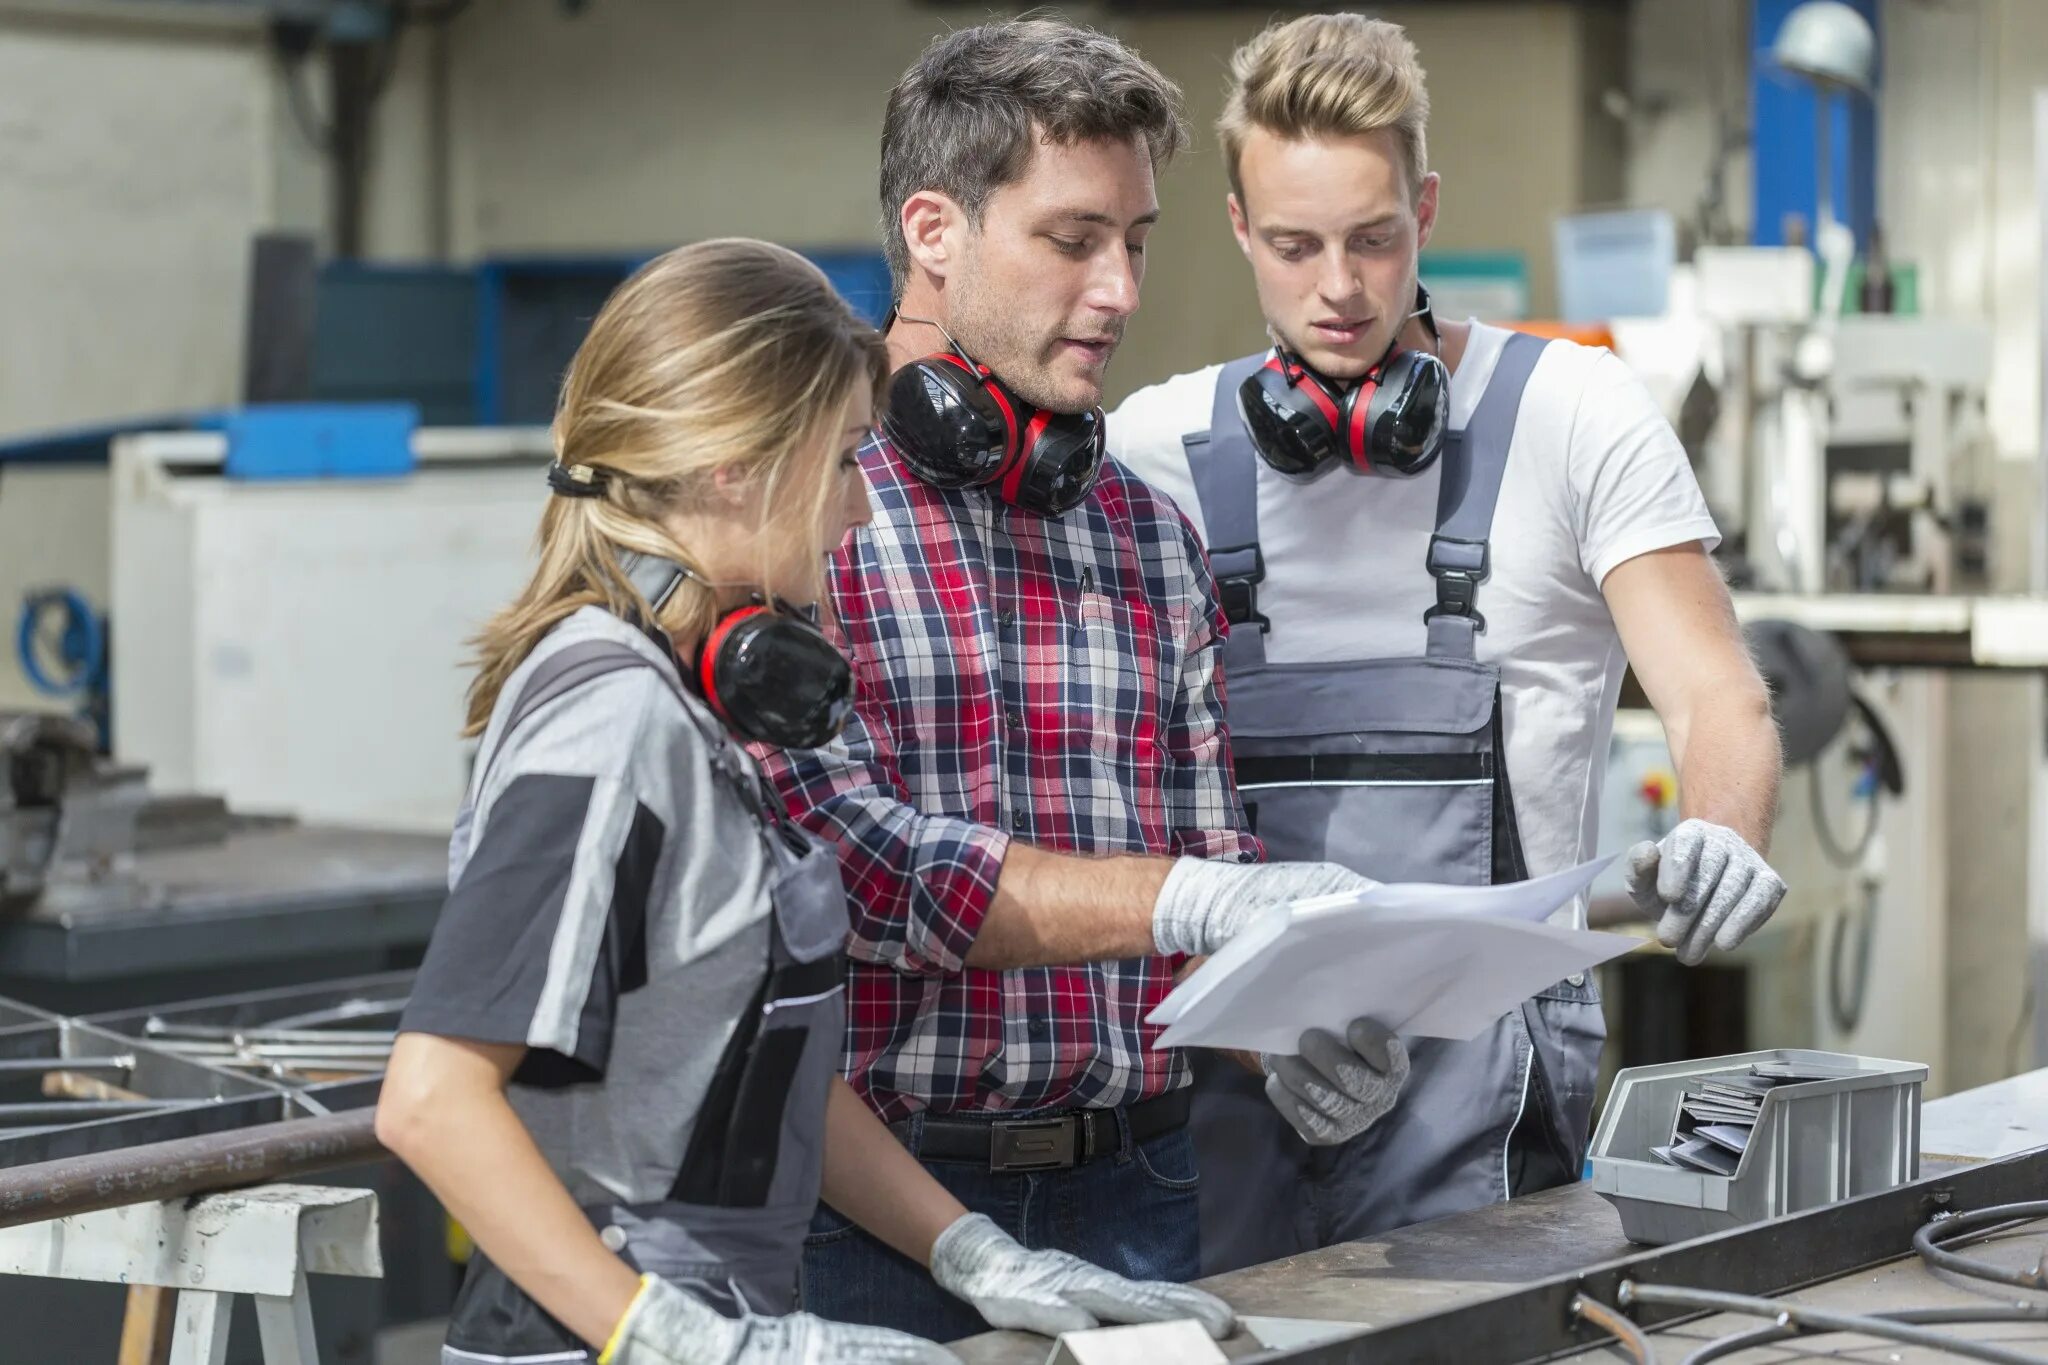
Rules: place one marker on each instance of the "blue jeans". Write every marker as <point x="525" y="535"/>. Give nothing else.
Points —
<point x="1133" y="1213"/>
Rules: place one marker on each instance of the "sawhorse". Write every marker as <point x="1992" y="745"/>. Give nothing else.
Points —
<point x="262" y="1242"/>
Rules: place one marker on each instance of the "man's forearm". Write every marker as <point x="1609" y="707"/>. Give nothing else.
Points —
<point x="1052" y="908"/>
<point x="1729" y="761"/>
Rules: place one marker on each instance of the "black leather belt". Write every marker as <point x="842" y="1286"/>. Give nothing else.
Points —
<point x="1051" y="1142"/>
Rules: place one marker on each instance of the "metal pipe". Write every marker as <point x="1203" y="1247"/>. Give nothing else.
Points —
<point x="1817" y="1319"/>
<point x="275" y="1051"/>
<point x="36" y="1066"/>
<point x="78" y="1111"/>
<point x="1765" y="1336"/>
<point x="1629" y="1335"/>
<point x="336" y="1014"/>
<point x="1964" y="1228"/>
<point x="158" y="1029"/>
<point x="194" y="1165"/>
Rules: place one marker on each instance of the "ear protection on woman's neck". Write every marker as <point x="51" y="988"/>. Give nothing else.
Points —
<point x="1391" y="421"/>
<point x="765" y="669"/>
<point x="957" y="425"/>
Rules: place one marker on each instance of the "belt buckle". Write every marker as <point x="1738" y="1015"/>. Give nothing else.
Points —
<point x="1016" y="1145"/>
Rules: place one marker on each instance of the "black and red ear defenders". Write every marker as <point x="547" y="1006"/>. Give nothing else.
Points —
<point x="1389" y="422"/>
<point x="958" y="426"/>
<point x="765" y="669"/>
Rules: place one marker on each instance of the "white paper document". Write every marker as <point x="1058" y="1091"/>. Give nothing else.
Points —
<point x="1427" y="961"/>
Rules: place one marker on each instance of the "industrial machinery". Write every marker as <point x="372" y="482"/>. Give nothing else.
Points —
<point x="113" y="896"/>
<point x="1851" y="468"/>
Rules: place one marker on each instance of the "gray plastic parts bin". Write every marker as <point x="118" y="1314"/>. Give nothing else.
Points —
<point x="1815" y="1142"/>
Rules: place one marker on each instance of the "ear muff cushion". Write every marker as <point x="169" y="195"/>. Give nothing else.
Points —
<point x="707" y="658"/>
<point x="1406" y="411"/>
<point x="953" y="430"/>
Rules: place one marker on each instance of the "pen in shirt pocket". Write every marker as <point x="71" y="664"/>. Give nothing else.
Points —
<point x="1087" y="583"/>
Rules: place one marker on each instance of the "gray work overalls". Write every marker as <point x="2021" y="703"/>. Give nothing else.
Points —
<point x="732" y="1229"/>
<point x="1394" y="768"/>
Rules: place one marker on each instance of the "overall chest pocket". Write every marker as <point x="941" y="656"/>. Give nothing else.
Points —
<point x="1388" y="766"/>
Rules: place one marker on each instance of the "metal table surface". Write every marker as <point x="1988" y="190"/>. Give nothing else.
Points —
<point x="1414" y="1270"/>
<point x="294" y="891"/>
<point x="1472" y="1256"/>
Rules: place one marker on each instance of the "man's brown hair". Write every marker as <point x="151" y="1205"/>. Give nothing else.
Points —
<point x="1328" y="75"/>
<point x="966" y="117"/>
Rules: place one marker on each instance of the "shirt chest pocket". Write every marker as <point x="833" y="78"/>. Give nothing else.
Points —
<point x="1120" y="670"/>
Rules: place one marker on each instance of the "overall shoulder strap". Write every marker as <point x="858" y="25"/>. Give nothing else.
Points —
<point x="1226" y="474"/>
<point x="572" y="666"/>
<point x="1474" y="462"/>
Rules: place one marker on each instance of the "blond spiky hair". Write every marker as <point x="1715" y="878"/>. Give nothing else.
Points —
<point x="1328" y="75"/>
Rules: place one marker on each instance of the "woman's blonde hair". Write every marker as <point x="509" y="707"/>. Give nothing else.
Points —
<point x="726" y="355"/>
<point x="1328" y="75"/>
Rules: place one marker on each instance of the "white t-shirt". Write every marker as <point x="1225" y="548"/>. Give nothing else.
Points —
<point x="1595" y="476"/>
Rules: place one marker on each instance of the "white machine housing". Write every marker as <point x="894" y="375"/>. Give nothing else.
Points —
<point x="300" y="646"/>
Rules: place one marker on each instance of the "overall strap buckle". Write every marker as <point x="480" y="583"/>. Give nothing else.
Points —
<point x="1239" y="569"/>
<point x="1459" y="567"/>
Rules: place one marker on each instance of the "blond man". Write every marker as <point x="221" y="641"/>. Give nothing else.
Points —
<point x="1439" y="546"/>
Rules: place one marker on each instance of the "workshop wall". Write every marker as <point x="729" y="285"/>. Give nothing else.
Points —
<point x="140" y="155"/>
<point x="135" y="166"/>
<point x="605" y="131"/>
<point x="134" y="160"/>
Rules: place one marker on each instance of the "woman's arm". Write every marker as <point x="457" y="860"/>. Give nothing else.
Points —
<point x="870" y="1178"/>
<point x="444" y="1113"/>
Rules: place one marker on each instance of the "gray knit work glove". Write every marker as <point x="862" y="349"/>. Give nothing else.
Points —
<point x="1205" y="903"/>
<point x="1335" y="1088"/>
<point x="1050" y="1292"/>
<point x="1707" y="887"/>
<point x="665" y="1325"/>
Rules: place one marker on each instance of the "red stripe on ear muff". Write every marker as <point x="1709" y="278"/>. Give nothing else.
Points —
<point x="1355" y="435"/>
<point x="1311" y="386"/>
<point x="707" y="658"/>
<point x="1014" y="470"/>
<point x="956" y="361"/>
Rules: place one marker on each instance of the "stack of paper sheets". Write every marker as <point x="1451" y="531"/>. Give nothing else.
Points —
<point x="1718" y="1114"/>
<point x="1426" y="961"/>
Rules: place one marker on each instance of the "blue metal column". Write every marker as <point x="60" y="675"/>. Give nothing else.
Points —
<point x="1784" y="123"/>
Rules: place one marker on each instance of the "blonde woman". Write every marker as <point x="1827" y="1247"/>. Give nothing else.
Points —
<point x="619" y="1067"/>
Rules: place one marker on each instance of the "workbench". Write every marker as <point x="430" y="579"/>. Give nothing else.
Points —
<point x="1475" y="1257"/>
<point x="271" y="905"/>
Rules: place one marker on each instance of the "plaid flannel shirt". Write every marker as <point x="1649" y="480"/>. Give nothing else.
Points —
<point x="1053" y="680"/>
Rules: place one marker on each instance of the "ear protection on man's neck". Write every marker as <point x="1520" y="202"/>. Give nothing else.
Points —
<point x="1389" y="422"/>
<point x="957" y="425"/>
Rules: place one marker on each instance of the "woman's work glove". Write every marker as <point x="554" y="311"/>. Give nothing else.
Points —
<point x="1050" y="1292"/>
<point x="665" y="1325"/>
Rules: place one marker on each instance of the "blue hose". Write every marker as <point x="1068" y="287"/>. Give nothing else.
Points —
<point x="82" y="648"/>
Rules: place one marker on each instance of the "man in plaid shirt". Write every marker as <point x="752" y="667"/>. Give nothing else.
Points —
<point x="1033" y="803"/>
